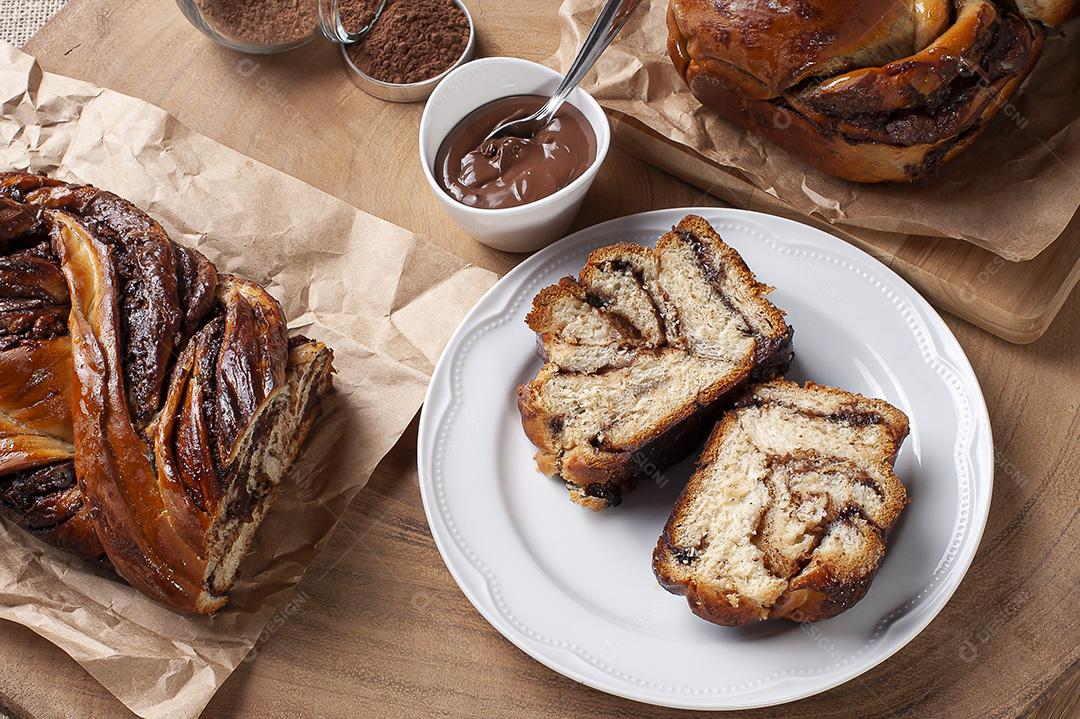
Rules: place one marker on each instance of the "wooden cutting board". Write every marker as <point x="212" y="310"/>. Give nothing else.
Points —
<point x="378" y="628"/>
<point x="1013" y="300"/>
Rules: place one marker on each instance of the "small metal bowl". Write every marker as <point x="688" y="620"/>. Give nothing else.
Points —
<point x="412" y="91"/>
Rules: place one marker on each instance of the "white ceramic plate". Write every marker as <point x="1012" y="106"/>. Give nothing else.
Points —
<point x="575" y="590"/>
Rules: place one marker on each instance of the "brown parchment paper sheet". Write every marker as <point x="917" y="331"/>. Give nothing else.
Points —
<point x="385" y="301"/>
<point x="1013" y="192"/>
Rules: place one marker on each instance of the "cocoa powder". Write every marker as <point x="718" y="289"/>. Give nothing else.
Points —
<point x="261" y="22"/>
<point x="411" y="42"/>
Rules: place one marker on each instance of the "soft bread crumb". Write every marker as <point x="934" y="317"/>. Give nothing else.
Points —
<point x="795" y="491"/>
<point x="642" y="348"/>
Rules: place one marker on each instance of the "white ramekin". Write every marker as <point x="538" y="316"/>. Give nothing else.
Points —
<point x="513" y="229"/>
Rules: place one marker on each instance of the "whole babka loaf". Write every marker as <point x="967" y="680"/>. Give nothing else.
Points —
<point x="873" y="90"/>
<point x="643" y="349"/>
<point x="149" y="405"/>
<point x="787" y="514"/>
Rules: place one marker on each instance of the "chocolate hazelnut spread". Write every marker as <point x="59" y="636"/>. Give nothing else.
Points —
<point x="512" y="171"/>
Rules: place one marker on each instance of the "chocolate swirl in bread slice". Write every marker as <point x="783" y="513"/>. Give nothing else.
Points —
<point x="787" y="514"/>
<point x="642" y="350"/>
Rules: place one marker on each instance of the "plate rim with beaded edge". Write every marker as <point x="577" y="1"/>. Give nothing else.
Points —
<point x="571" y="588"/>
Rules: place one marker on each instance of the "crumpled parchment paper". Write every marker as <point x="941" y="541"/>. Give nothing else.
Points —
<point x="384" y="300"/>
<point x="1012" y="192"/>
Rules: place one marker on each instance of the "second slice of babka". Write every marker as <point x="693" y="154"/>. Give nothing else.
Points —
<point x="787" y="514"/>
<point x="643" y="350"/>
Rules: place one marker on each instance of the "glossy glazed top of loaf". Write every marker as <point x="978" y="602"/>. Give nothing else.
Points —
<point x="772" y="45"/>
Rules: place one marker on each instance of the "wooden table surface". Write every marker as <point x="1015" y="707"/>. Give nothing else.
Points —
<point x="378" y="627"/>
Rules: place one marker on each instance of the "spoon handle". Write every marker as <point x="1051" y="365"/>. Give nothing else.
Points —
<point x="608" y="23"/>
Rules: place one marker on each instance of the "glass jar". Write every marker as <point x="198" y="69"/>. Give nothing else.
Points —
<point x="271" y="26"/>
<point x="254" y="26"/>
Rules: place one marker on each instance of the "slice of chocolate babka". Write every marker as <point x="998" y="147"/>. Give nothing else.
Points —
<point x="643" y="349"/>
<point x="787" y="514"/>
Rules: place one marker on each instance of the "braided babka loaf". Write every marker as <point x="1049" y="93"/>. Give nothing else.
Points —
<point x="871" y="91"/>
<point x="642" y="350"/>
<point x="149" y="405"/>
<point x="787" y="513"/>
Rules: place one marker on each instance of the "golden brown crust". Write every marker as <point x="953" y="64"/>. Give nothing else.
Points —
<point x="148" y="406"/>
<point x="111" y="463"/>
<point x="597" y="476"/>
<point x="804" y="83"/>
<point x="820" y="594"/>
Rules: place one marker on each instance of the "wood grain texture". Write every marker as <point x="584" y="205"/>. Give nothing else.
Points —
<point x="378" y="627"/>
<point x="1013" y="300"/>
<point x="1062" y="700"/>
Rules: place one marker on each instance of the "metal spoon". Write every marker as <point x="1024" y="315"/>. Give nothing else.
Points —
<point x="332" y="27"/>
<point x="612" y="17"/>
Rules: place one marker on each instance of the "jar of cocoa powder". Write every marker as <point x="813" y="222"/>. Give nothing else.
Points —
<point x="410" y="47"/>
<point x="254" y="26"/>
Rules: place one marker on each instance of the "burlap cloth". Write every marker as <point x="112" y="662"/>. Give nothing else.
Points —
<point x="19" y="19"/>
